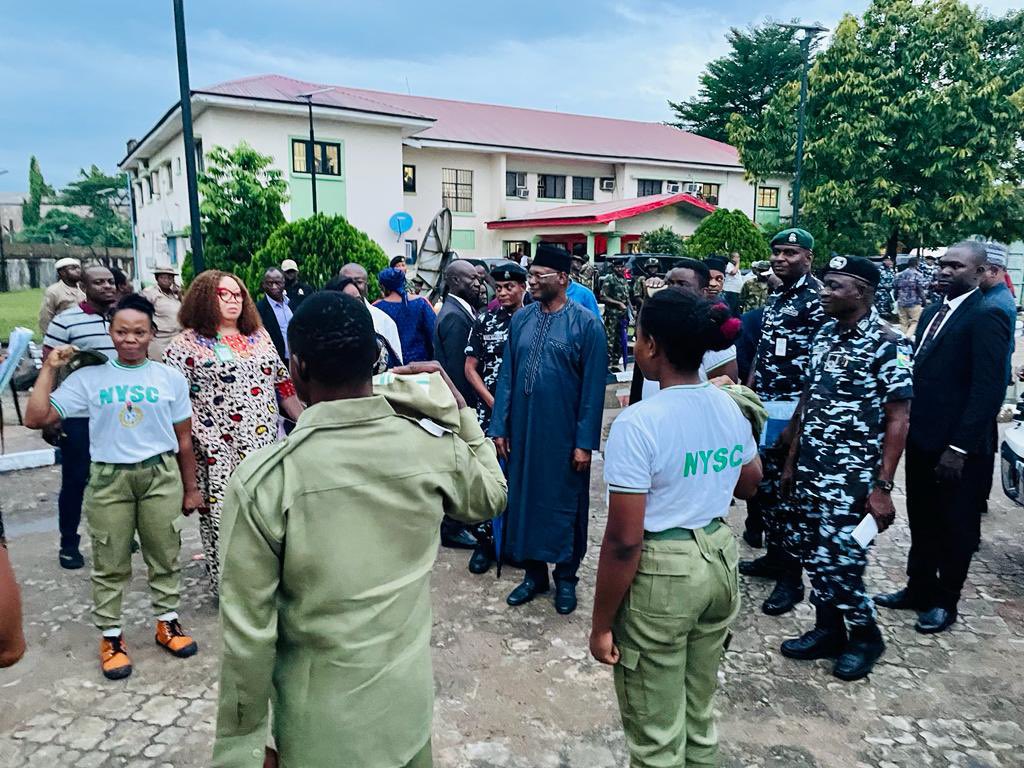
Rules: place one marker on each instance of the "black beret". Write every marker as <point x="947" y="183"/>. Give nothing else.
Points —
<point x="508" y="271"/>
<point x="857" y="267"/>
<point x="553" y="256"/>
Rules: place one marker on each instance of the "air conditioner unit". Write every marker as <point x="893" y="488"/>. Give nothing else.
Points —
<point x="608" y="184"/>
<point x="523" y="192"/>
<point x="674" y="187"/>
<point x="692" y="189"/>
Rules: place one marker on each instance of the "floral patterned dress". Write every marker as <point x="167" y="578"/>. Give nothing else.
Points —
<point x="234" y="404"/>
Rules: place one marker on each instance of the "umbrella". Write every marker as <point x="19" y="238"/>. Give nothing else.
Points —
<point x="499" y="529"/>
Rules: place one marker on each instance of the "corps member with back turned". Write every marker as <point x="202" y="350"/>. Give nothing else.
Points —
<point x="667" y="580"/>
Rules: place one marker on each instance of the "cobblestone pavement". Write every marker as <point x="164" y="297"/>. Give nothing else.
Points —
<point x="517" y="688"/>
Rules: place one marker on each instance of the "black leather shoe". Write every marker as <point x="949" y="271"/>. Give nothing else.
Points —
<point x="935" y="620"/>
<point x="71" y="559"/>
<point x="861" y="653"/>
<point x="762" y="567"/>
<point x="480" y="562"/>
<point x="819" y="643"/>
<point x="459" y="540"/>
<point x="783" y="599"/>
<point x="525" y="592"/>
<point x="565" y="597"/>
<point x="754" y="538"/>
<point x="903" y="600"/>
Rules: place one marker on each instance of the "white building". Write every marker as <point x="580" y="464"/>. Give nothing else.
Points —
<point x="510" y="176"/>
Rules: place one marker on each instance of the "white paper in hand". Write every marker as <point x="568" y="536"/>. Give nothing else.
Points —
<point x="865" y="531"/>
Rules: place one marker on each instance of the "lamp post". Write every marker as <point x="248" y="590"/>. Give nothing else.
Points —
<point x="4" y="287"/>
<point x="198" y="263"/>
<point x="311" y="157"/>
<point x="810" y="31"/>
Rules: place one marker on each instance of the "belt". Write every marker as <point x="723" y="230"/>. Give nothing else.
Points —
<point x="152" y="461"/>
<point x="682" y="534"/>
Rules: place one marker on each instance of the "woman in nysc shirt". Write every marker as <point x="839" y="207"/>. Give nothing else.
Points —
<point x="667" y="581"/>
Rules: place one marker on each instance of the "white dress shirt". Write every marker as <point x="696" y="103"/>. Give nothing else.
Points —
<point x="283" y="313"/>
<point x="465" y="305"/>
<point x="953" y="305"/>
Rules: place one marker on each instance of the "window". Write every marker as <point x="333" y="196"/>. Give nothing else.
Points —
<point x="514" y="180"/>
<point x="645" y="187"/>
<point x="200" y="164"/>
<point x="516" y="249"/>
<point x="457" y="190"/>
<point x="408" y="178"/>
<point x="178" y="172"/>
<point x="709" y="192"/>
<point x="326" y="155"/>
<point x="550" y="186"/>
<point x="154" y="184"/>
<point x="582" y="187"/>
<point x="410" y="251"/>
<point x="767" y="197"/>
<point x="170" y="178"/>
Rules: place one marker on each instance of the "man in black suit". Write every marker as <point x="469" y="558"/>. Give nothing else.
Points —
<point x="959" y="384"/>
<point x="275" y="310"/>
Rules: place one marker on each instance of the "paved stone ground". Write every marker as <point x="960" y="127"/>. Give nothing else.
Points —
<point x="517" y="688"/>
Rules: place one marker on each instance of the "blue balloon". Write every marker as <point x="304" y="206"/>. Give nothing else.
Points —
<point x="400" y="222"/>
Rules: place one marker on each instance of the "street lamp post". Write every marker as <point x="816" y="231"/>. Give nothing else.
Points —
<point x="4" y="286"/>
<point x="198" y="263"/>
<point x="810" y="32"/>
<point x="311" y="157"/>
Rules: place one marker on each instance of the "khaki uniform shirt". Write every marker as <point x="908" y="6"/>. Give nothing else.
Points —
<point x="327" y="541"/>
<point x="166" y="319"/>
<point x="56" y="299"/>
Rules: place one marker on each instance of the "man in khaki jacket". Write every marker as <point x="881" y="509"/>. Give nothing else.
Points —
<point x="327" y="543"/>
<point x="166" y="298"/>
<point x="63" y="294"/>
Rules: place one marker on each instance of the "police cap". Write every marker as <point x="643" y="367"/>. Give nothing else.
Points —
<point x="795" y="236"/>
<point x="856" y="267"/>
<point x="508" y="271"/>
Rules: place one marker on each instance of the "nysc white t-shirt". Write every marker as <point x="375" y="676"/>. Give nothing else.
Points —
<point x="684" y="449"/>
<point x="132" y="410"/>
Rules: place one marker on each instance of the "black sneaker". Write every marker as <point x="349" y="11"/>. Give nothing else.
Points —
<point x="71" y="559"/>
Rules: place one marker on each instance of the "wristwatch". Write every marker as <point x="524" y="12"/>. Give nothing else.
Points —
<point x="884" y="485"/>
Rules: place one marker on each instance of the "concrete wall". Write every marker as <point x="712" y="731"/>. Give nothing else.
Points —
<point x="30" y="265"/>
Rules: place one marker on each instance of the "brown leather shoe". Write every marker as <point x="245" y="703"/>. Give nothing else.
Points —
<point x="172" y="638"/>
<point x="114" y="659"/>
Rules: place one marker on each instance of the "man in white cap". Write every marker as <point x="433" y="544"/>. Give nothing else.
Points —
<point x="63" y="294"/>
<point x="297" y="290"/>
<point x="166" y="298"/>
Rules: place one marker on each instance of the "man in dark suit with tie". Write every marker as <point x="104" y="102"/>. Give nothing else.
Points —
<point x="275" y="310"/>
<point x="959" y="384"/>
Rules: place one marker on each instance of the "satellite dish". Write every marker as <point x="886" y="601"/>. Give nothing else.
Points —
<point x="435" y="253"/>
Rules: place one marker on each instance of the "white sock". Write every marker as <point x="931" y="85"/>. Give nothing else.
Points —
<point x="169" y="616"/>
<point x="115" y="632"/>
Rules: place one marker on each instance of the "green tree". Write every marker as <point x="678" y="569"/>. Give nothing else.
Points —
<point x="762" y="59"/>
<point x="321" y="245"/>
<point x="662" y="240"/>
<point x="241" y="205"/>
<point x="37" y="190"/>
<point x="767" y="142"/>
<point x="725" y="231"/>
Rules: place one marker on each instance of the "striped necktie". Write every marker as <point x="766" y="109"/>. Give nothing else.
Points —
<point x="933" y="329"/>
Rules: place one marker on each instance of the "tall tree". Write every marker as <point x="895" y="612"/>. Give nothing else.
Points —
<point x="762" y="59"/>
<point x="37" y="190"/>
<point x="725" y="231"/>
<point x="241" y="204"/>
<point x="104" y="226"/>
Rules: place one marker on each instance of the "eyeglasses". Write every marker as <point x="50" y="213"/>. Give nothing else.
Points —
<point x="540" y="276"/>
<point x="226" y="294"/>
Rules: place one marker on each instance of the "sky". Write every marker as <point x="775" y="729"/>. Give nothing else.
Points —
<point x="78" y="78"/>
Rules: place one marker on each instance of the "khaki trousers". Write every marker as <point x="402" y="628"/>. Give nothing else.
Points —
<point x="670" y="632"/>
<point x="908" y="319"/>
<point x="120" y="500"/>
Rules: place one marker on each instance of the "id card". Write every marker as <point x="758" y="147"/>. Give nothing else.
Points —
<point x="780" y="347"/>
<point x="223" y="352"/>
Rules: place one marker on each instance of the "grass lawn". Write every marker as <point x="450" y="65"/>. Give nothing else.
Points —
<point x="20" y="308"/>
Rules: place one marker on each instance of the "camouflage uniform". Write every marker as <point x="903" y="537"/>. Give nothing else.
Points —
<point x="753" y="294"/>
<point x="792" y="317"/>
<point x="615" y="288"/>
<point x="854" y="374"/>
<point x="884" y="299"/>
<point x="930" y="272"/>
<point x="588" y="276"/>
<point x="638" y="289"/>
<point x="487" y="344"/>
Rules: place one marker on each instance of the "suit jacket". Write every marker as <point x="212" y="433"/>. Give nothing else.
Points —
<point x="273" y="327"/>
<point x="959" y="378"/>
<point x="451" y="333"/>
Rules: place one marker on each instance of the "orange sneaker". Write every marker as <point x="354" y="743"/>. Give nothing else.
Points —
<point x="114" y="659"/>
<point x="172" y="638"/>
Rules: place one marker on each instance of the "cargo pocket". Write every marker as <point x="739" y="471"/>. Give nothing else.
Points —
<point x="100" y="540"/>
<point x="177" y="524"/>
<point x="659" y="587"/>
<point x="629" y="682"/>
<point x="729" y="557"/>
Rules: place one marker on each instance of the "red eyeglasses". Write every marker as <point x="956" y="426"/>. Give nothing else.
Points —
<point x="230" y="296"/>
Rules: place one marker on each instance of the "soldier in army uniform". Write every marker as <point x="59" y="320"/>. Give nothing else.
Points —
<point x="754" y="292"/>
<point x="615" y="295"/>
<point x="484" y="352"/>
<point x="850" y="428"/>
<point x="638" y="290"/>
<point x="792" y="317"/>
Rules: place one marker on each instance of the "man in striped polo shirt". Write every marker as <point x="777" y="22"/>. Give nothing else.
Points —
<point x="86" y="326"/>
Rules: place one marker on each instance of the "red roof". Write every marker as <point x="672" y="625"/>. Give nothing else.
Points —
<point x="598" y="213"/>
<point x="500" y="126"/>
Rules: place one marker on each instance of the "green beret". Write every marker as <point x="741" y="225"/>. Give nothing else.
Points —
<point x="800" y="237"/>
<point x="856" y="267"/>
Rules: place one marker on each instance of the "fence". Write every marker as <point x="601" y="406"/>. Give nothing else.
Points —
<point x="30" y="265"/>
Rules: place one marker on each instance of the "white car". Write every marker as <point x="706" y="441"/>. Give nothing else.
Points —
<point x="1012" y="455"/>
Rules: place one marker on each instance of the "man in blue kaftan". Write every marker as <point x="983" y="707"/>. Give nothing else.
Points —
<point x="546" y="423"/>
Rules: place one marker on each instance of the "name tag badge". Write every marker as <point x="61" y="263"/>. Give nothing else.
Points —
<point x="780" y="347"/>
<point x="223" y="352"/>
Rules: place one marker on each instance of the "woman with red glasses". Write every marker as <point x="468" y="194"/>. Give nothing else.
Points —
<point x="235" y="378"/>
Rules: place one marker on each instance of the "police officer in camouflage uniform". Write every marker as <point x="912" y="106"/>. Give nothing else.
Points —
<point x="615" y="295"/>
<point x="792" y="317"/>
<point x="850" y="430"/>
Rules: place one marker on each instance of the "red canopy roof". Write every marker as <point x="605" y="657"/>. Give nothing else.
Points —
<point x="598" y="213"/>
